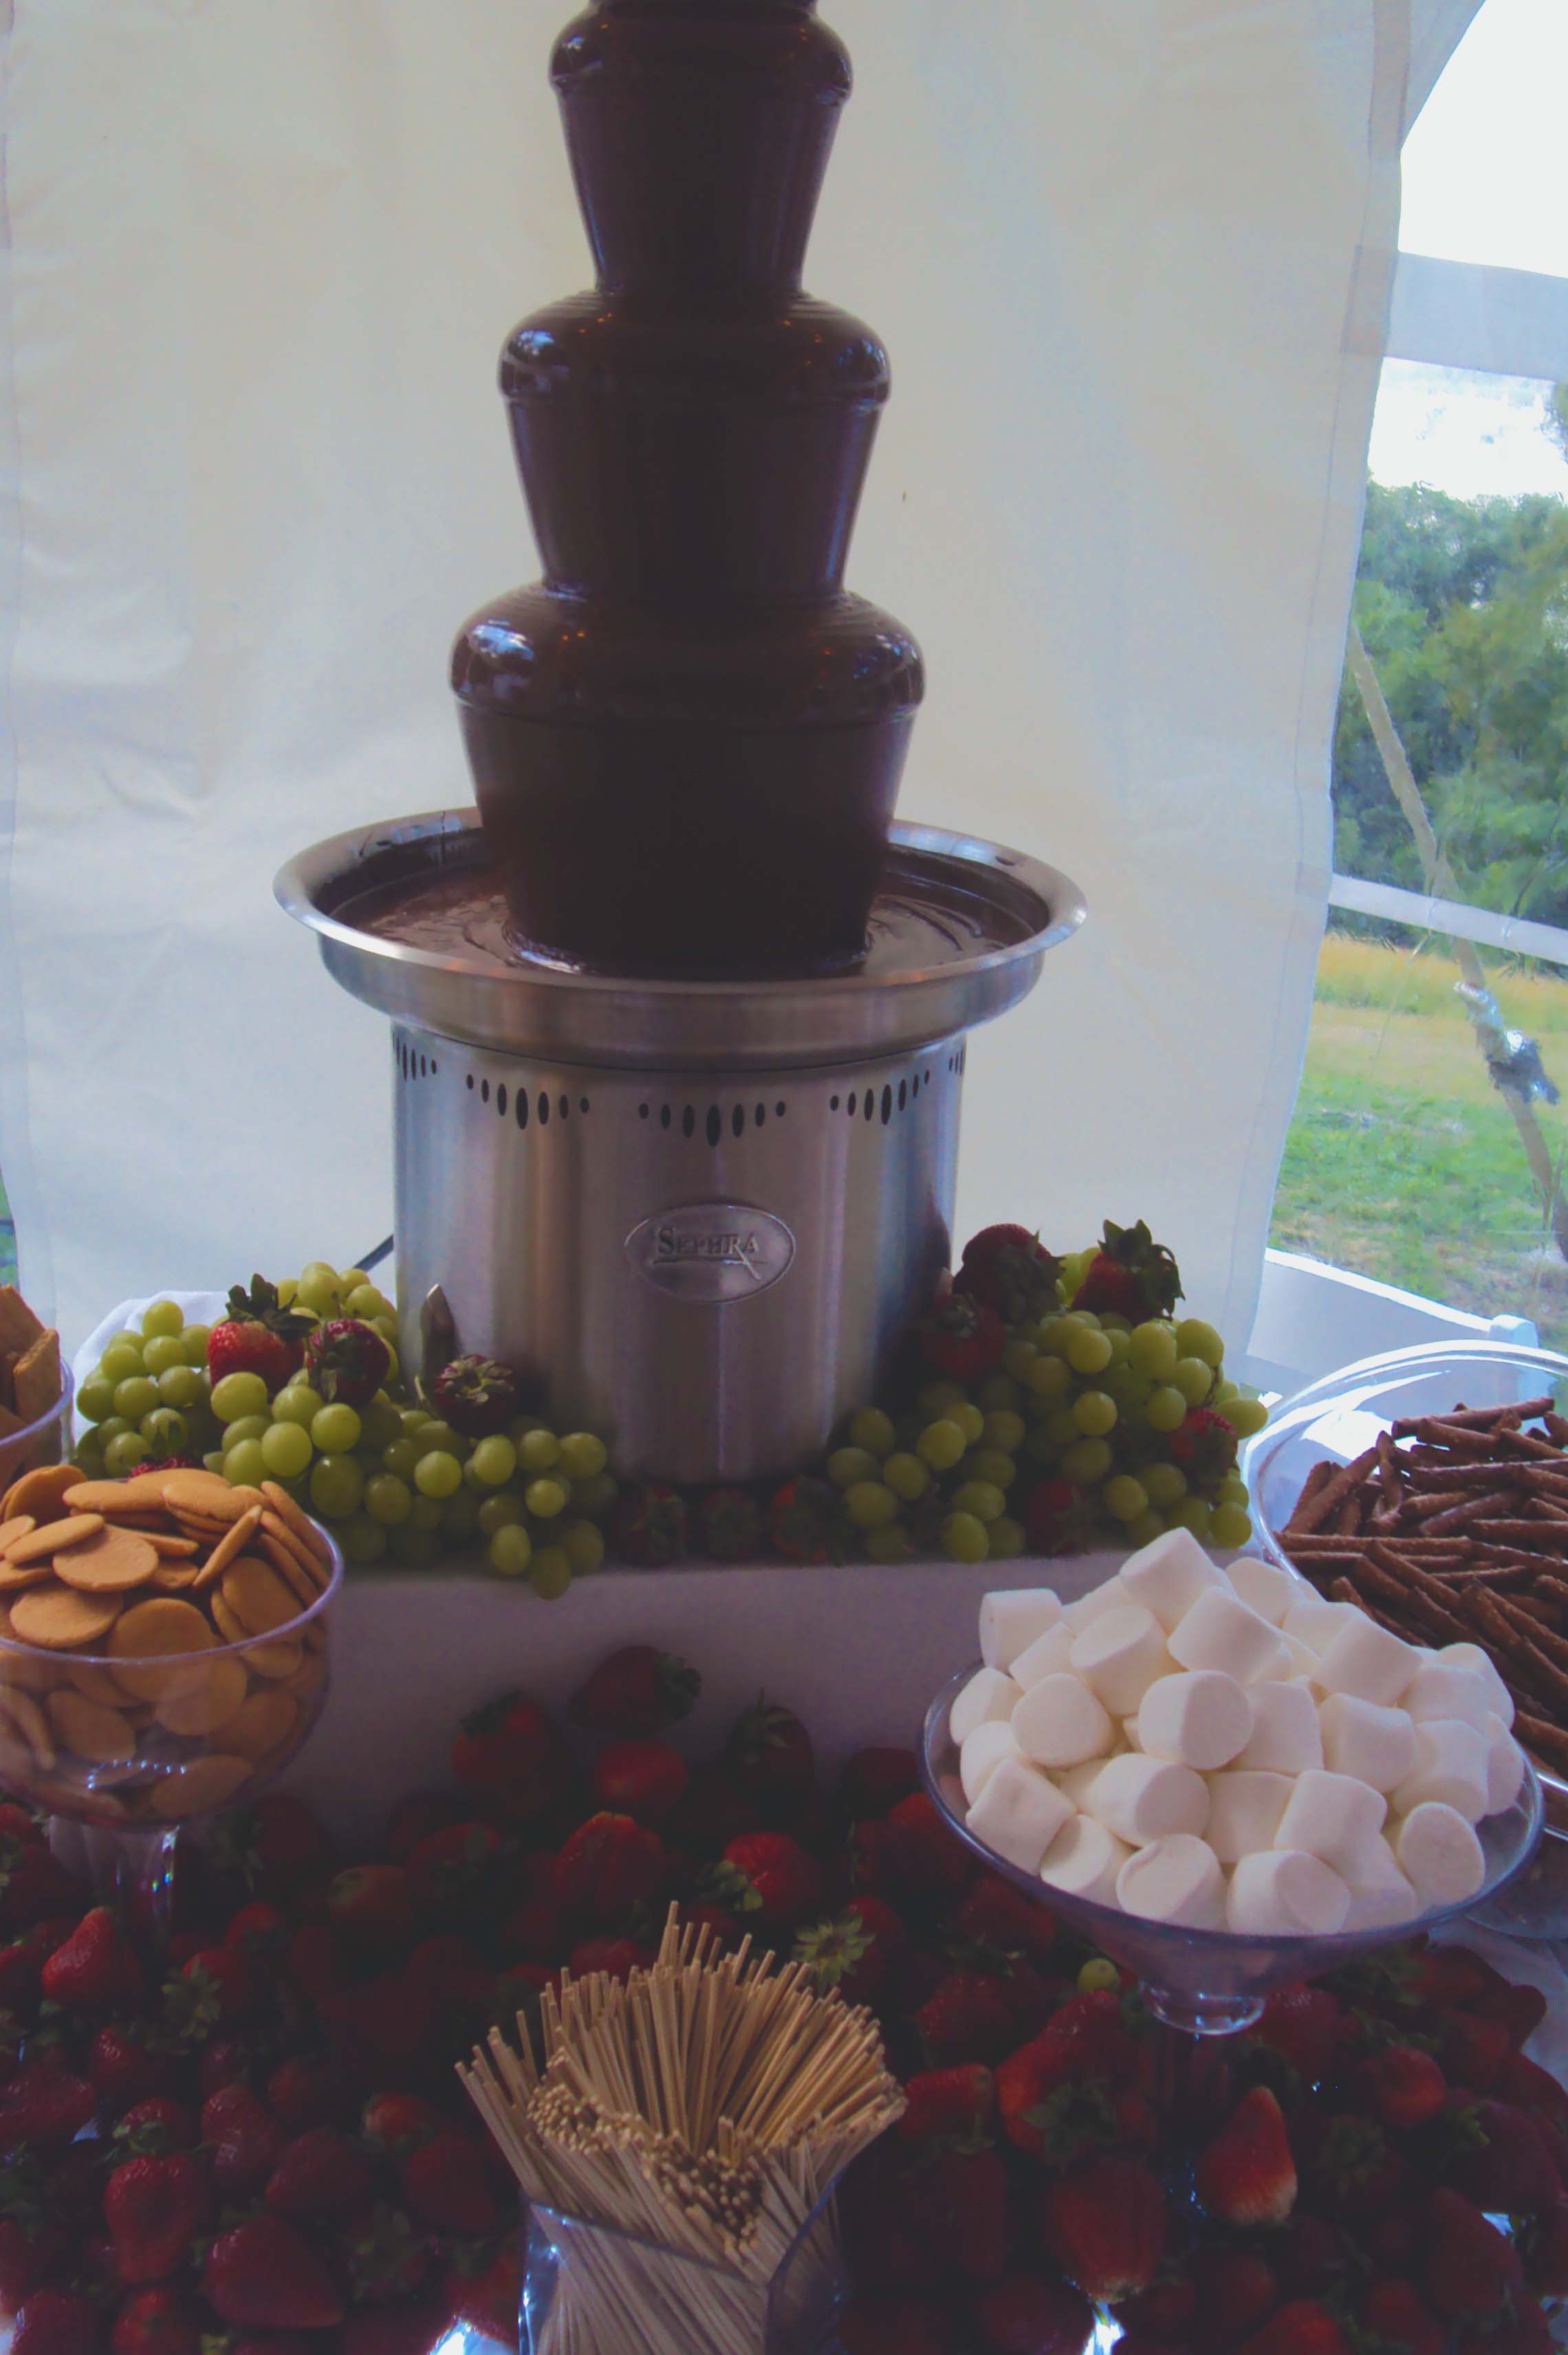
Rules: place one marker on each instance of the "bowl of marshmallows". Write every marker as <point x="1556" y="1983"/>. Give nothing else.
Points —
<point x="1225" y="1780"/>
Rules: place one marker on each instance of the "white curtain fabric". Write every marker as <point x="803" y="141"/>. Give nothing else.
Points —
<point x="1132" y="262"/>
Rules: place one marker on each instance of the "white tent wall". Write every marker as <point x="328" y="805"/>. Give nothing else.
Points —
<point x="1132" y="262"/>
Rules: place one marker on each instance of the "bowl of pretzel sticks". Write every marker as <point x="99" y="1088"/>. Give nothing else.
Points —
<point x="164" y="1642"/>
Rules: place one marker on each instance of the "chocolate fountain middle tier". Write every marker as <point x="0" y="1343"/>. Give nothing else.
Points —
<point x="686" y="740"/>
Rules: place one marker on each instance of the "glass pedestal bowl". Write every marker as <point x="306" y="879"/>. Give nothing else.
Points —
<point x="46" y="1441"/>
<point x="1213" y="1982"/>
<point x="120" y="1754"/>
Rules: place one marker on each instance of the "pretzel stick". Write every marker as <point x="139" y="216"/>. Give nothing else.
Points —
<point x="1334" y="1491"/>
<point x="1343" y="1592"/>
<point x="1547" y="1742"/>
<point x="1472" y="1509"/>
<point x="1317" y="1480"/>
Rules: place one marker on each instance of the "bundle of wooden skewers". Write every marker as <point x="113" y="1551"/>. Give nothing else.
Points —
<point x="701" y="2111"/>
<point x="1453" y="1529"/>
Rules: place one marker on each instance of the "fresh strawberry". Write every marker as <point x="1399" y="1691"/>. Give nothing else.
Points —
<point x="531" y="1927"/>
<point x="1010" y="1270"/>
<point x="1130" y="1275"/>
<point x="156" y="2320"/>
<point x="512" y="1759"/>
<point x="1355" y="2170"/>
<point x="149" y="2128"/>
<point x="389" y="2258"/>
<point x="612" y="1959"/>
<point x="875" y="2324"/>
<point x="874" y="1782"/>
<point x="1246" y="2174"/>
<point x="215" y="1988"/>
<point x="16" y="1824"/>
<point x="1544" y="2244"/>
<point x="1304" y="2327"/>
<point x="310" y="2089"/>
<point x="962" y="1338"/>
<point x="397" y="2123"/>
<point x="770" y="1753"/>
<point x="452" y="1968"/>
<point x="635" y="1693"/>
<point x="263" y="2274"/>
<point x="245" y="2140"/>
<point x="319" y="1964"/>
<point x="712" y="1812"/>
<point x="272" y="1845"/>
<point x="44" y="2106"/>
<point x="911" y="1858"/>
<point x="855" y="1951"/>
<point x="319" y="2173"/>
<point x="30" y="2253"/>
<point x="730" y="1526"/>
<point x="483" y="2285"/>
<point x="95" y="1968"/>
<point x="1448" y="1977"/>
<point x="476" y="1395"/>
<point x="1307" y="2026"/>
<point x="396" y="2330"/>
<point x="609" y="1865"/>
<point x="1471" y="2050"/>
<point x="1204" y="1444"/>
<point x="1528" y="2086"/>
<point x="153" y="2208"/>
<point x="1023" y="2315"/>
<point x="1309" y="2254"/>
<point x="996" y="1914"/>
<point x="1520" y="2006"/>
<point x="961" y="2196"/>
<point x="346" y="1362"/>
<point x="782" y="1880"/>
<point x="1164" y="2309"/>
<point x="1104" y="2224"/>
<point x="452" y="1871"/>
<point x="948" y="2104"/>
<point x="370" y="1907"/>
<point x="652" y="1525"/>
<point x="1058" y="1515"/>
<point x="808" y="1522"/>
<point x="1407" y="2087"/>
<point x="124" y="2067"/>
<point x="1522" y="2331"/>
<point x="33" y="1886"/>
<point x="1472" y="2269"/>
<point x="444" y="2185"/>
<point x="969" y="2017"/>
<point x="257" y="1337"/>
<point x="58" y="2322"/>
<point x="1506" y="2171"/>
<point x="422" y="1812"/>
<point x="1394" y="2310"/>
<point x="642" y="1779"/>
<point x="224" y="2061"/>
<point x="1234" y="2289"/>
<point x="387" y="2027"/>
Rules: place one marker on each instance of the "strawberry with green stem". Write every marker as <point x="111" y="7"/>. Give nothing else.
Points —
<point x="854" y="1952"/>
<point x="1130" y="1275"/>
<point x="778" y="1881"/>
<point x="478" y="1396"/>
<point x="264" y="2275"/>
<point x="258" y="1336"/>
<point x="1104" y="2223"/>
<point x="1203" y="1444"/>
<point x="807" y="1521"/>
<point x="770" y="1753"/>
<point x="962" y="1337"/>
<point x="635" y="1692"/>
<point x="1246" y="2174"/>
<point x="652" y="1525"/>
<point x="1008" y="1269"/>
<point x="347" y="1361"/>
<point x="731" y="1524"/>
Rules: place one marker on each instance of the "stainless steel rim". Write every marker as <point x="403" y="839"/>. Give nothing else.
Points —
<point x="674" y="1023"/>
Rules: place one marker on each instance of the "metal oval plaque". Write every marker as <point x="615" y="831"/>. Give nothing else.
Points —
<point x="711" y="1252"/>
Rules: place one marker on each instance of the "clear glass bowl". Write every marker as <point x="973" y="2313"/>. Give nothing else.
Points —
<point x="120" y="1754"/>
<point x="46" y="1441"/>
<point x="1213" y="1982"/>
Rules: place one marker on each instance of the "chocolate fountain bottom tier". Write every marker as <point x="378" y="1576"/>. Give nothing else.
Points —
<point x="672" y="847"/>
<point x="710" y="1270"/>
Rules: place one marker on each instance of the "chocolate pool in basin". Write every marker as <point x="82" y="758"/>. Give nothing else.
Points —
<point x="679" y="1016"/>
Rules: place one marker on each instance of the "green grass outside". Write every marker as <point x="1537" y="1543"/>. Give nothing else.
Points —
<point x="1403" y="1160"/>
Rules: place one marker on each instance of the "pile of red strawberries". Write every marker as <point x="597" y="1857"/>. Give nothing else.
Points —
<point x="261" y="2148"/>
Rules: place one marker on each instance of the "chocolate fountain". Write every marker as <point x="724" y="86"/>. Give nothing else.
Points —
<point x="679" y="1013"/>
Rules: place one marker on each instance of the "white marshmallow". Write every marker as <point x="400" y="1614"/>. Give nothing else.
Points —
<point x="1440" y="1855"/>
<point x="1018" y="1813"/>
<point x="1222" y="1631"/>
<point x="1332" y="1815"/>
<point x="1450" y="1765"/>
<point x="988" y="1693"/>
<point x="1059" y="1722"/>
<point x="1314" y="1622"/>
<point x="1084" y="1860"/>
<point x="1296" y="1659"/>
<point x="1285" y="1737"/>
<point x="1120" y="1655"/>
<point x="982" y="1752"/>
<point x="1286" y="1893"/>
<point x="1109" y="1595"/>
<point x="1376" y="1745"/>
<point x="1141" y="1798"/>
<point x="1168" y="1575"/>
<point x="1048" y="1655"/>
<point x="1174" y="1878"/>
<point x="1444" y="1689"/>
<point x="1201" y="1719"/>
<point x="1470" y="1655"/>
<point x="1505" y="1766"/>
<point x="1266" y="1587"/>
<point x="1010" y="1622"/>
<point x="1365" y="1659"/>
<point x="1079" y="1781"/>
<point x="1380" y="1896"/>
<point x="1244" y="1809"/>
<point x="1130" y="1733"/>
